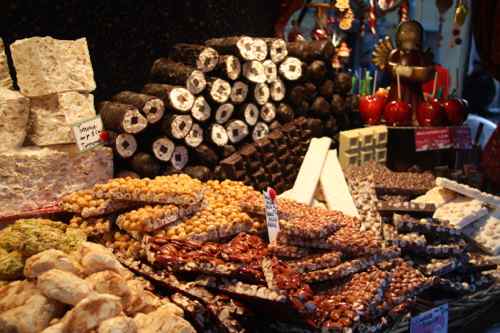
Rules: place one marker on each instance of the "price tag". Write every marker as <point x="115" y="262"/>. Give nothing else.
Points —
<point x="87" y="133"/>
<point x="432" y="139"/>
<point x="462" y="138"/>
<point x="272" y="220"/>
<point x="432" y="321"/>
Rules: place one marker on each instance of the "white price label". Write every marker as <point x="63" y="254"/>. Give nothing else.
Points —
<point x="88" y="133"/>
<point x="272" y="221"/>
<point x="433" y="321"/>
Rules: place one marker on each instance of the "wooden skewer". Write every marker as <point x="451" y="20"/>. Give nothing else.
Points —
<point x="434" y="89"/>
<point x="375" y="83"/>
<point x="399" y="86"/>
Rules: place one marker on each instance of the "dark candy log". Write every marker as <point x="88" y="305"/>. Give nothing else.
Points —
<point x="165" y="70"/>
<point x="338" y="104"/>
<point x="274" y="125"/>
<point x="200" y="172"/>
<point x="177" y="126"/>
<point x="268" y="112"/>
<point x="237" y="130"/>
<point x="326" y="89"/>
<point x="291" y="69"/>
<point x="316" y="71"/>
<point x="261" y="93"/>
<point x="311" y="50"/>
<point x="180" y="157"/>
<point x="277" y="49"/>
<point x="227" y="150"/>
<point x="218" y="90"/>
<point x="201" y="110"/>
<point x="150" y="106"/>
<point x="311" y="91"/>
<point x="250" y="113"/>
<point x="176" y="97"/>
<point x="284" y="113"/>
<point x="218" y="135"/>
<point x="277" y="90"/>
<point x="200" y="56"/>
<point x="121" y="117"/>
<point x="123" y="144"/>
<point x="126" y="174"/>
<point x="321" y="107"/>
<point x="145" y="165"/>
<point x="271" y="71"/>
<point x="163" y="148"/>
<point x="224" y="113"/>
<point x="343" y="83"/>
<point x="229" y="67"/>
<point x="206" y="155"/>
<point x="297" y="95"/>
<point x="242" y="46"/>
<point x="195" y="136"/>
<point x="315" y="126"/>
<point x="239" y="92"/>
<point x="254" y="71"/>
<point x="260" y="131"/>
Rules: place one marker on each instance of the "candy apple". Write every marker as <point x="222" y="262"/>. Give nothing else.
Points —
<point x="429" y="113"/>
<point x="371" y="108"/>
<point x="397" y="113"/>
<point x="455" y="111"/>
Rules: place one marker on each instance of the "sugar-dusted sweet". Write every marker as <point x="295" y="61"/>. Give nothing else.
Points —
<point x="45" y="65"/>
<point x="14" y="112"/>
<point x="52" y="116"/>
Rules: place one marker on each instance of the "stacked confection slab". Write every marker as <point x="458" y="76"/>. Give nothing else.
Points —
<point x="56" y="79"/>
<point x="362" y="145"/>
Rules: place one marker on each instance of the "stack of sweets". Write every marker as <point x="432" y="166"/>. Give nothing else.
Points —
<point x="359" y="146"/>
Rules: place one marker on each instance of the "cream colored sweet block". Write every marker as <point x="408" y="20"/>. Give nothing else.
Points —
<point x="367" y="137"/>
<point x="349" y="140"/>
<point x="34" y="176"/>
<point x="366" y="156"/>
<point x="14" y="112"/>
<point x="45" y="65"/>
<point x="52" y="116"/>
<point x="349" y="159"/>
<point x="379" y="134"/>
<point x="5" y="79"/>
<point x="380" y="154"/>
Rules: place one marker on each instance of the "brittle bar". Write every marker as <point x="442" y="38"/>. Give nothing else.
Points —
<point x="316" y="262"/>
<point x="406" y="223"/>
<point x="405" y="207"/>
<point x="87" y="205"/>
<point x="286" y="251"/>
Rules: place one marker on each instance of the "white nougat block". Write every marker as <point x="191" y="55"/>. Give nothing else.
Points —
<point x="45" y="65"/>
<point x="349" y="159"/>
<point x="33" y="177"/>
<point x="366" y="156"/>
<point x="52" y="117"/>
<point x="310" y="170"/>
<point x="334" y="186"/>
<point x="349" y="140"/>
<point x="14" y="112"/>
<point x="379" y="134"/>
<point x="380" y="154"/>
<point x="5" y="79"/>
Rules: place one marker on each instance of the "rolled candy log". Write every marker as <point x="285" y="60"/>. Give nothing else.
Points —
<point x="123" y="144"/>
<point x="250" y="113"/>
<point x="277" y="90"/>
<point x="223" y="113"/>
<point x="239" y="92"/>
<point x="297" y="95"/>
<point x="145" y="165"/>
<point x="291" y="69"/>
<point x="274" y="125"/>
<point x="321" y="107"/>
<point x="165" y="70"/>
<point x="284" y="113"/>
<point x="237" y="130"/>
<point x="277" y="49"/>
<point x="218" y="90"/>
<point x="229" y="67"/>
<point x="261" y="93"/>
<point x="121" y="117"/>
<point x="260" y="49"/>
<point x="268" y="112"/>
<point x="175" y="97"/>
<point x="326" y="89"/>
<point x="177" y="126"/>
<point x="180" y="157"/>
<point x="206" y="155"/>
<point x="311" y="91"/>
<point x="202" y="57"/>
<point x="227" y="150"/>
<point x="242" y="46"/>
<point x="195" y="136"/>
<point x="218" y="135"/>
<point x="311" y="50"/>
<point x="343" y="83"/>
<point x="151" y="107"/>
<point x="270" y="70"/>
<point x="201" y="110"/>
<point x="200" y="172"/>
<point x="316" y="71"/>
<point x="260" y="131"/>
<point x="254" y="71"/>
<point x="163" y="148"/>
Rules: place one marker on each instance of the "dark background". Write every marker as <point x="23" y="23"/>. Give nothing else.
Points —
<point x="126" y="36"/>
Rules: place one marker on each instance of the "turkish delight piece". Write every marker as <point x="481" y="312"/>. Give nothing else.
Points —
<point x="45" y="66"/>
<point x="5" y="79"/>
<point x="52" y="117"/>
<point x="14" y="112"/>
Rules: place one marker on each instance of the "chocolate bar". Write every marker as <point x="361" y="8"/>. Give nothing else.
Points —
<point x="406" y="223"/>
<point x="405" y="208"/>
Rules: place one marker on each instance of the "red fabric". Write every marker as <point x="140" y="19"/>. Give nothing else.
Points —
<point x="490" y="159"/>
<point x="443" y="82"/>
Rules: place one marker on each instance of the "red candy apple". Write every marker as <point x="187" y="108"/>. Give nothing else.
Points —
<point x="429" y="113"/>
<point x="397" y="113"/>
<point x="371" y="108"/>
<point x="455" y="111"/>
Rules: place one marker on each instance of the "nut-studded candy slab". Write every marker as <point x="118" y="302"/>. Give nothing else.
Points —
<point x="316" y="262"/>
<point x="94" y="226"/>
<point x="286" y="251"/>
<point x="179" y="189"/>
<point x="309" y="226"/>
<point x="87" y="204"/>
<point x="406" y="223"/>
<point x="352" y="242"/>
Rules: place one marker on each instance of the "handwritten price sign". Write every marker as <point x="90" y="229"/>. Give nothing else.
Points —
<point x="87" y="133"/>
<point x="272" y="219"/>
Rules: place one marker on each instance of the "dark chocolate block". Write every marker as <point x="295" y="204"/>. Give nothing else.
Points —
<point x="405" y="207"/>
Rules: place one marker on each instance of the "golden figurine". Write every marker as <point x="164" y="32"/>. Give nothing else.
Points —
<point x="408" y="60"/>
